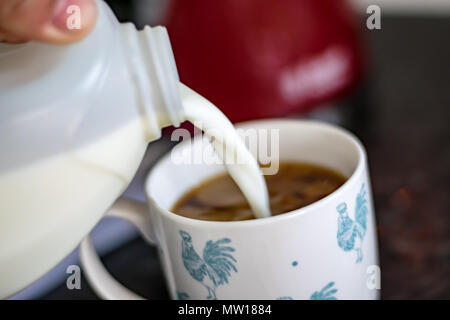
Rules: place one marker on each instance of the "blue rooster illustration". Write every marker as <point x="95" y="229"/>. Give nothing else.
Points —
<point x="182" y="295"/>
<point x="327" y="293"/>
<point x="351" y="233"/>
<point x="215" y="267"/>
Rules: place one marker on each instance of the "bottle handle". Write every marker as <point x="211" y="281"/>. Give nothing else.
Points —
<point x="101" y="281"/>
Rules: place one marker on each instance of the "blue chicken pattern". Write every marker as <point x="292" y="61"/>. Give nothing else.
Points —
<point x="351" y="233"/>
<point x="182" y="295"/>
<point x="327" y="293"/>
<point x="214" y="268"/>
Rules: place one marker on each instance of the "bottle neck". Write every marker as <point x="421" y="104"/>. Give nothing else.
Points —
<point x="152" y="67"/>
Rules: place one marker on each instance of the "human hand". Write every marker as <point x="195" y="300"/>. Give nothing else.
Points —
<point x="46" y="20"/>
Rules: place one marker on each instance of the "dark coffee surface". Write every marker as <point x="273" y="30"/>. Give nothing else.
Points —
<point x="294" y="186"/>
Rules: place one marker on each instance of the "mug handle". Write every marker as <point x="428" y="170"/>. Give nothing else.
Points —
<point x="101" y="281"/>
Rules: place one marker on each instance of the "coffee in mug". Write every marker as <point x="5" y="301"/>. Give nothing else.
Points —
<point x="324" y="250"/>
<point x="294" y="186"/>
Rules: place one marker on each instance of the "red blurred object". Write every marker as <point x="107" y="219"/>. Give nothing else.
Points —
<point x="265" y="58"/>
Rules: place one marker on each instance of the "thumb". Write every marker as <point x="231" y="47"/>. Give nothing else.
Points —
<point x="54" y="21"/>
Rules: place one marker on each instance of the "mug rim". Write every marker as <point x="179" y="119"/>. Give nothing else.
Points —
<point x="362" y="159"/>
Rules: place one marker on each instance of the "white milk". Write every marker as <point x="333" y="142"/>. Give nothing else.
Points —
<point x="246" y="174"/>
<point x="55" y="201"/>
<point x="75" y="123"/>
<point x="48" y="206"/>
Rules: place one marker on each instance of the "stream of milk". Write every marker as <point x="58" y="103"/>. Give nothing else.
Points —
<point x="246" y="173"/>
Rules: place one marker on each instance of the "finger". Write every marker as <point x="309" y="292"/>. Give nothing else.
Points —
<point x="54" y="21"/>
<point x="10" y="38"/>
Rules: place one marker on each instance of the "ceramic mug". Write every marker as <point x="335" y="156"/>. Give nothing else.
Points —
<point x="326" y="250"/>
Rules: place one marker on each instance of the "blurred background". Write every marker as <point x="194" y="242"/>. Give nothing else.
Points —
<point x="315" y="59"/>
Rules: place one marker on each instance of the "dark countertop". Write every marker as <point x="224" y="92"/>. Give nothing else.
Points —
<point x="406" y="132"/>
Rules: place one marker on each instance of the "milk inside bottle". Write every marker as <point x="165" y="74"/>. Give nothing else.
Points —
<point x="75" y="122"/>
